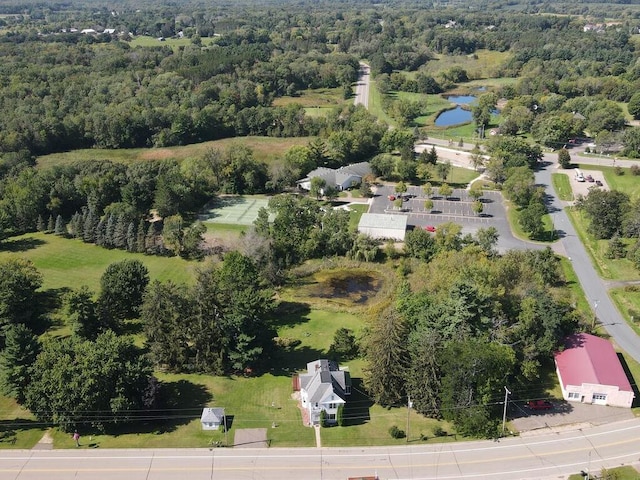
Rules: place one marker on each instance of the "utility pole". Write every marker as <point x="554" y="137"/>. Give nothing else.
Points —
<point x="504" y="413"/>
<point x="409" y="405"/>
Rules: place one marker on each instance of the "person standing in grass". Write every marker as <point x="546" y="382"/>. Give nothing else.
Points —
<point x="76" y="438"/>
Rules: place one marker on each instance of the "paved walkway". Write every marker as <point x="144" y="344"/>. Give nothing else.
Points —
<point x="318" y="439"/>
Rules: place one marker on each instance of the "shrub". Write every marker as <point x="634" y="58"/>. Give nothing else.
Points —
<point x="438" y="431"/>
<point x="395" y="432"/>
<point x="619" y="171"/>
<point x="635" y="169"/>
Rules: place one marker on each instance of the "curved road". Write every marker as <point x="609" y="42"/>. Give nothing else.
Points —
<point x="553" y="455"/>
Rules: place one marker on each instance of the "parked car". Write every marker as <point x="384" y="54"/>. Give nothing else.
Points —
<point x="598" y="183"/>
<point x="392" y="197"/>
<point x="430" y="228"/>
<point x="540" y="405"/>
<point x="589" y="178"/>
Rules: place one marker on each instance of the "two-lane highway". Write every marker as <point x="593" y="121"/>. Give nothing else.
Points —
<point x="552" y="455"/>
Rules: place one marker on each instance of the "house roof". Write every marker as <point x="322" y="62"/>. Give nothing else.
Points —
<point x="339" y="176"/>
<point x="212" y="415"/>
<point x="383" y="220"/>
<point x="323" y="380"/>
<point x="590" y="359"/>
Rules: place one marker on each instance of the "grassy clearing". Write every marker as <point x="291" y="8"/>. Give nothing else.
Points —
<point x="620" y="269"/>
<point x="562" y="186"/>
<point x="314" y="98"/>
<point x="480" y="66"/>
<point x="356" y="211"/>
<point x="577" y="294"/>
<point x="265" y="149"/>
<point x="66" y="263"/>
<point x="375" y="105"/>
<point x="513" y="215"/>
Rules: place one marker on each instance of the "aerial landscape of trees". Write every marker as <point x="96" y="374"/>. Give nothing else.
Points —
<point x="457" y="319"/>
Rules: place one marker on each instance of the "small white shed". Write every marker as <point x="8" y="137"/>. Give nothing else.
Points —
<point x="383" y="225"/>
<point x="212" y="418"/>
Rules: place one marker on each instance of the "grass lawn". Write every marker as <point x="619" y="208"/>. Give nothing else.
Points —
<point x="513" y="215"/>
<point x="577" y="294"/>
<point x="19" y="428"/>
<point x="620" y="269"/>
<point x="265" y="149"/>
<point x="375" y="105"/>
<point x="619" y="473"/>
<point x="356" y="211"/>
<point x="458" y="177"/>
<point x="562" y="186"/>
<point x="482" y="65"/>
<point x="68" y="263"/>
<point x="627" y="300"/>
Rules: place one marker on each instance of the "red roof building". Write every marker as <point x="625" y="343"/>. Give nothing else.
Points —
<point x="590" y="372"/>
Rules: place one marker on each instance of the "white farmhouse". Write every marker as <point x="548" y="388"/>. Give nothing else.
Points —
<point x="324" y="388"/>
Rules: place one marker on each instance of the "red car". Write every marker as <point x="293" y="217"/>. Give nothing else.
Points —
<point x="540" y="405"/>
<point x="430" y="228"/>
<point x="392" y="197"/>
<point x="589" y="178"/>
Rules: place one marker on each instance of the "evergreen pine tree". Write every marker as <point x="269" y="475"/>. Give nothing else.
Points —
<point x="101" y="231"/>
<point x="51" y="225"/>
<point x="76" y="225"/>
<point x="40" y="225"/>
<point x="131" y="237"/>
<point x="140" y="244"/>
<point x="90" y="227"/>
<point x="110" y="232"/>
<point x="120" y="232"/>
<point x="60" y="228"/>
<point x="150" y="239"/>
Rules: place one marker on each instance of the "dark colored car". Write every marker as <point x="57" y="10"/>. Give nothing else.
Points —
<point x="589" y="178"/>
<point x="540" y="405"/>
<point x="598" y="183"/>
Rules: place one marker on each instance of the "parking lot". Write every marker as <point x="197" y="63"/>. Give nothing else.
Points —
<point x="456" y="209"/>
<point x="582" y="188"/>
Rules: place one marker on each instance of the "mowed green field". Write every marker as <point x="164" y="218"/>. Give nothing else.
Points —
<point x="70" y="263"/>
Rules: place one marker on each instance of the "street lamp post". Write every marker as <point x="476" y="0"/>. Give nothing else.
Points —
<point x="595" y="314"/>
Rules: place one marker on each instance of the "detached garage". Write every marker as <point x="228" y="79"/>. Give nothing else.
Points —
<point x="383" y="226"/>
<point x="590" y="372"/>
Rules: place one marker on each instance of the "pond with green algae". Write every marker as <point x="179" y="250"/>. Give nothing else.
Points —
<point x="354" y="286"/>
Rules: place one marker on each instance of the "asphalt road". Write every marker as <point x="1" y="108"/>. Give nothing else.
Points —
<point x="551" y="455"/>
<point x="593" y="286"/>
<point x="362" y="86"/>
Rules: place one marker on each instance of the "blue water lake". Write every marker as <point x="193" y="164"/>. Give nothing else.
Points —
<point x="457" y="115"/>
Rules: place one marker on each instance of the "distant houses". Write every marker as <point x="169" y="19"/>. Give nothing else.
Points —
<point x="341" y="178"/>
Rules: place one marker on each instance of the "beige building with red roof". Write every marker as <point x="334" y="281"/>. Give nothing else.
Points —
<point x="590" y="372"/>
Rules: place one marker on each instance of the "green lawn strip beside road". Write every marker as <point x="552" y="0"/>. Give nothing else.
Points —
<point x="375" y="105"/>
<point x="618" y="473"/>
<point x="562" y="186"/>
<point x="627" y="300"/>
<point x="265" y="149"/>
<point x="70" y="263"/>
<point x="573" y="284"/>
<point x="617" y="269"/>
<point x="18" y="427"/>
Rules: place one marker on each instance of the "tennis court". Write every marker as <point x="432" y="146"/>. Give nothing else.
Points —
<point x="234" y="210"/>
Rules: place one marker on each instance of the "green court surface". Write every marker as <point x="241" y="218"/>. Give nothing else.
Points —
<point x="234" y="210"/>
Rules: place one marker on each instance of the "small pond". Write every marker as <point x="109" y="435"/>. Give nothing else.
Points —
<point x="355" y="287"/>
<point x="457" y="115"/>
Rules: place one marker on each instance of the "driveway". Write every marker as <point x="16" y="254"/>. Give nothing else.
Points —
<point x="565" y="416"/>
